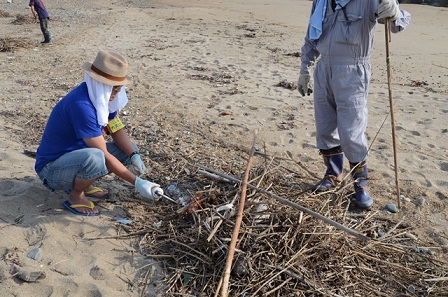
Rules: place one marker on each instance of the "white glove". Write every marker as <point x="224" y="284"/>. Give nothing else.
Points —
<point x="148" y="189"/>
<point x="388" y="9"/>
<point x="137" y="165"/>
<point x="303" y="84"/>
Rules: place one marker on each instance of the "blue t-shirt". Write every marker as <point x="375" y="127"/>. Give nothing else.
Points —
<point x="72" y="119"/>
<point x="39" y="7"/>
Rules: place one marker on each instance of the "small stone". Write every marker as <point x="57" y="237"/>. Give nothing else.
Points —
<point x="29" y="275"/>
<point x="240" y="267"/>
<point x="420" y="201"/>
<point x="391" y="208"/>
<point x="35" y="254"/>
<point x="97" y="273"/>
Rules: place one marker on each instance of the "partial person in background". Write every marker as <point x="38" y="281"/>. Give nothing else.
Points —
<point x="73" y="153"/>
<point x="39" y="11"/>
<point x="340" y="36"/>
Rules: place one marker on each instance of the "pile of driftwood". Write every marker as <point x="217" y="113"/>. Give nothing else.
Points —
<point x="5" y="14"/>
<point x="267" y="233"/>
<point x="253" y="226"/>
<point x="24" y="19"/>
<point x="8" y="44"/>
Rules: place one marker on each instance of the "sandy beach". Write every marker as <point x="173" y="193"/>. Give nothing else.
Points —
<point x="206" y="75"/>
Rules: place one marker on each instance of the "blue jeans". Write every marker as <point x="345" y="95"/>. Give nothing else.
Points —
<point x="44" y="29"/>
<point x="85" y="164"/>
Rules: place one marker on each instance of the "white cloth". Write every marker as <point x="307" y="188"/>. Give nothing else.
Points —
<point x="99" y="95"/>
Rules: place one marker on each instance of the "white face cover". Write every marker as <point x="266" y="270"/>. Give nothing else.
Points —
<point x="99" y="94"/>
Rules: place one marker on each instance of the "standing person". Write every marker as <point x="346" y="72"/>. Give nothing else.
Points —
<point x="39" y="11"/>
<point x="73" y="153"/>
<point x="340" y="33"/>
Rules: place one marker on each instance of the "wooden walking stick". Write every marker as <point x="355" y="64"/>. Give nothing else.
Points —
<point x="236" y="230"/>
<point x="392" y="118"/>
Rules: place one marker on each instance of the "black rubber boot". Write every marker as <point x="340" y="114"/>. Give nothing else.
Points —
<point x="47" y="40"/>
<point x="334" y="160"/>
<point x="360" y="176"/>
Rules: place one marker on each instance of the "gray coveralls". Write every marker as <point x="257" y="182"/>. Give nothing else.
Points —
<point x="342" y="75"/>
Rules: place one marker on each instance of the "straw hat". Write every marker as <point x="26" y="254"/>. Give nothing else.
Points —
<point x="109" y="68"/>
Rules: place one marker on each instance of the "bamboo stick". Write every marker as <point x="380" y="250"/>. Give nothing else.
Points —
<point x="392" y="118"/>
<point x="236" y="230"/>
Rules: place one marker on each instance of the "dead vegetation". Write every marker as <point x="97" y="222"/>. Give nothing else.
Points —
<point x="22" y="19"/>
<point x="281" y="250"/>
<point x="5" y="14"/>
<point x="10" y="44"/>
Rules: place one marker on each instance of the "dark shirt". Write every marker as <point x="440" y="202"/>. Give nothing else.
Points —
<point x="39" y="7"/>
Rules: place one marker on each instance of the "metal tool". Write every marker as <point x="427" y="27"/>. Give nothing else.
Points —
<point x="159" y="193"/>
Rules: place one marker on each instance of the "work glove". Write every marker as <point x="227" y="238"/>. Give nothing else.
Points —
<point x="388" y="9"/>
<point x="148" y="189"/>
<point x="137" y="165"/>
<point x="303" y="84"/>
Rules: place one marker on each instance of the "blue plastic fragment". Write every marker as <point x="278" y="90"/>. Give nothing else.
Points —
<point x="123" y="221"/>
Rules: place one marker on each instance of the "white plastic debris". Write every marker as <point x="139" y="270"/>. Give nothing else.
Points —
<point x="225" y="207"/>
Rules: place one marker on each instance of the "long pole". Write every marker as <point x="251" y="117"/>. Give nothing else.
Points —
<point x="392" y="118"/>
<point x="236" y="230"/>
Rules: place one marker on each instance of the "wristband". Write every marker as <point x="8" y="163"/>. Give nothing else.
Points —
<point x="132" y="154"/>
